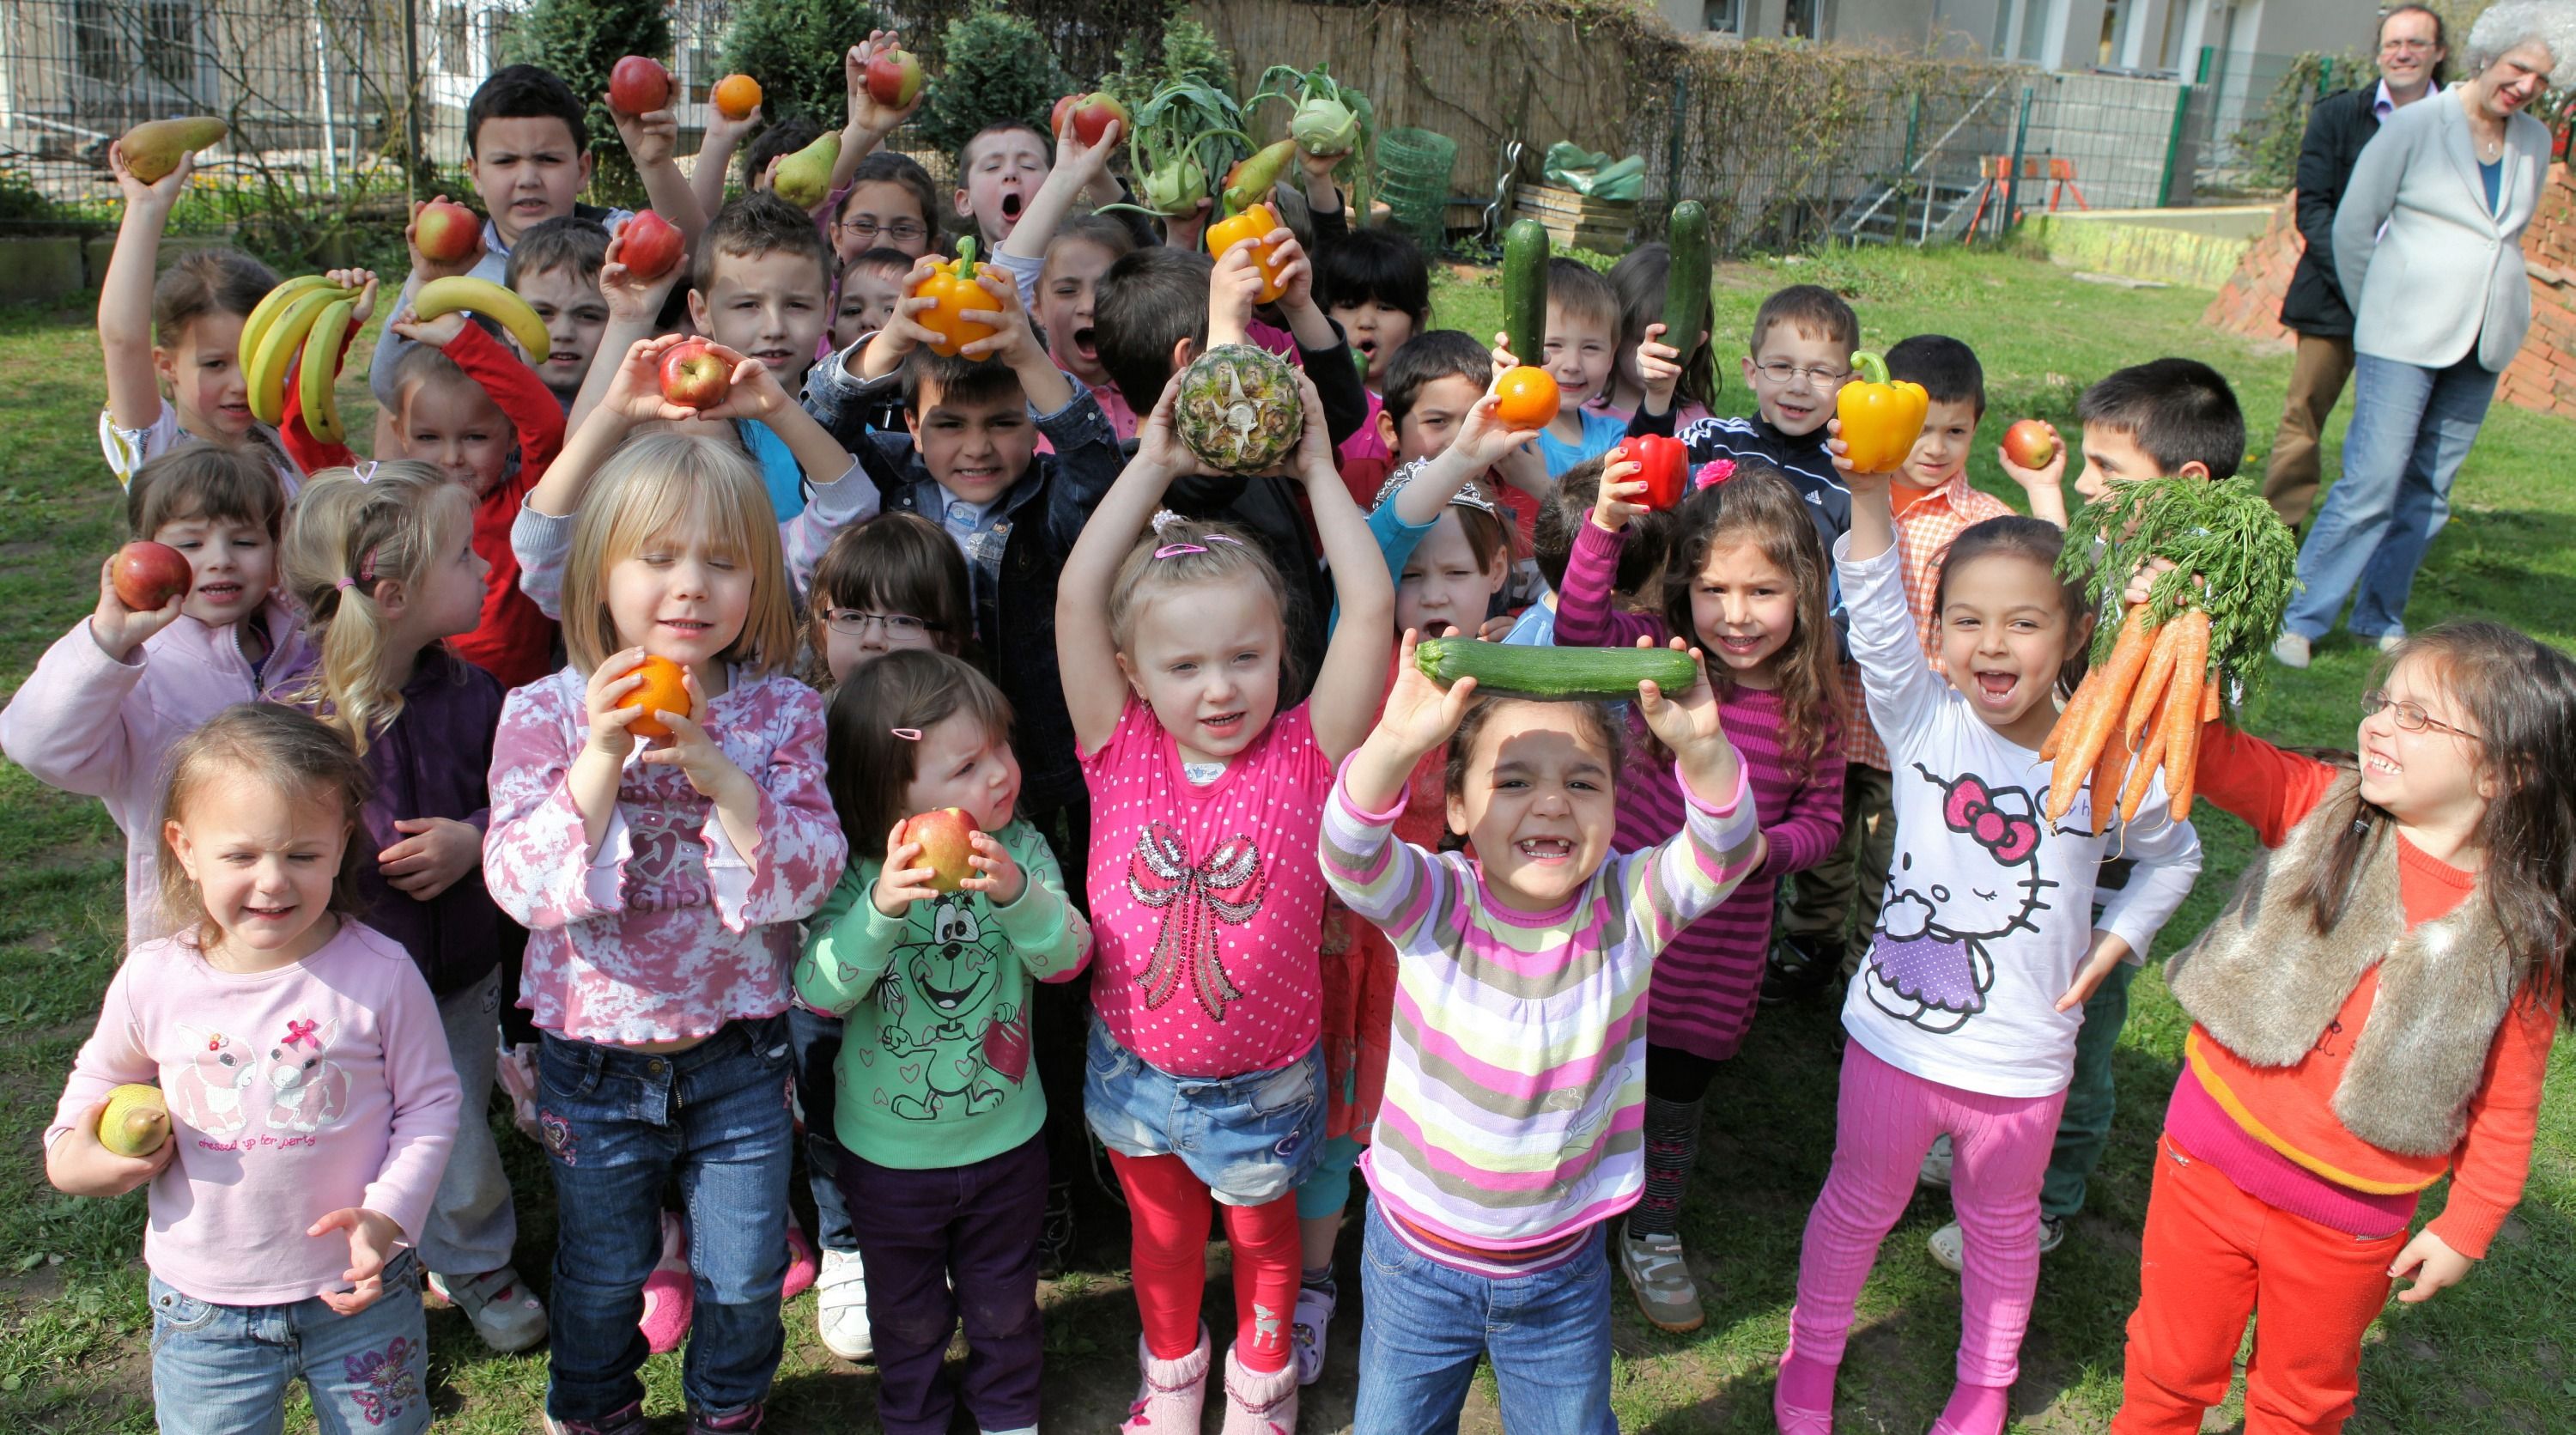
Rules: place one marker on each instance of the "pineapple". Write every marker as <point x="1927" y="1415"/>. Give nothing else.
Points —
<point x="1239" y="409"/>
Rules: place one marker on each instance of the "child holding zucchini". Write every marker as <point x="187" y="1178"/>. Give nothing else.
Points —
<point x="1514" y="1046"/>
<point x="1747" y="586"/>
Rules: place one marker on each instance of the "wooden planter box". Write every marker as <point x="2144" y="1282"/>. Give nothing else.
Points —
<point x="1576" y="221"/>
<point x="43" y="268"/>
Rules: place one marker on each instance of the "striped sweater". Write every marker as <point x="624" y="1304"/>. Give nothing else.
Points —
<point x="1515" y="1084"/>
<point x="1706" y="985"/>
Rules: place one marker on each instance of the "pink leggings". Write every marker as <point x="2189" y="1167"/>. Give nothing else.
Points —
<point x="1884" y="1122"/>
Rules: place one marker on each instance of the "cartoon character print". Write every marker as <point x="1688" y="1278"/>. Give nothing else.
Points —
<point x="1224" y="891"/>
<point x="1931" y="961"/>
<point x="953" y="974"/>
<point x="214" y="1089"/>
<point x="306" y="1089"/>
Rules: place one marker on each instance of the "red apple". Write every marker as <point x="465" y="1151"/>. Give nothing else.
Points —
<point x="150" y="574"/>
<point x="944" y="837"/>
<point x="894" y="78"/>
<point x="649" y="245"/>
<point x="2030" y="444"/>
<point x="1091" y="117"/>
<point x="1055" y="117"/>
<point x="447" y="232"/>
<point x="694" y="376"/>
<point x="639" y="85"/>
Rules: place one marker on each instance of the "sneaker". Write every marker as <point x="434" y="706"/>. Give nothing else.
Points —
<point x="800" y="1263"/>
<point x="1936" y="1165"/>
<point x="1313" y="1317"/>
<point x="1662" y="1281"/>
<point x="670" y="1292"/>
<point x="1797" y="969"/>
<point x="498" y="1305"/>
<point x="626" y="1421"/>
<point x="2389" y="640"/>
<point x="740" y="1422"/>
<point x="1055" y="1232"/>
<point x="1260" y="1404"/>
<point x="1169" y="1393"/>
<point x="841" y="1306"/>
<point x="1950" y="1246"/>
<point x="2290" y="650"/>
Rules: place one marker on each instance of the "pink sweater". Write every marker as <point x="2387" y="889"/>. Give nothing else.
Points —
<point x="86" y="723"/>
<point x="293" y="1093"/>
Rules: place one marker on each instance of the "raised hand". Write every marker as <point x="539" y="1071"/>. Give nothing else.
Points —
<point x="119" y="630"/>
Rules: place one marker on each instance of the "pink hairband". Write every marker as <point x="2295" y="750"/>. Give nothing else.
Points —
<point x="1175" y="550"/>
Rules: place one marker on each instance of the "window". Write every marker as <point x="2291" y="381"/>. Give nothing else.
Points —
<point x="169" y="41"/>
<point x="1726" y="17"/>
<point x="1803" y="20"/>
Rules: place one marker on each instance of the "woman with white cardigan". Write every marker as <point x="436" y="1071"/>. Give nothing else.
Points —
<point x="2427" y="241"/>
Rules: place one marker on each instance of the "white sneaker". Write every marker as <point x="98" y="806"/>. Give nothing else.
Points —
<point x="1936" y="1165"/>
<point x="501" y="1308"/>
<point x="2290" y="650"/>
<point x="841" y="1306"/>
<point x="2389" y="640"/>
<point x="1659" y="1276"/>
<point x="1950" y="1245"/>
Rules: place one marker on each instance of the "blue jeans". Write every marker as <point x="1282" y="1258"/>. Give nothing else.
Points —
<point x="816" y="1042"/>
<point x="2411" y="428"/>
<point x="224" y="1369"/>
<point x="1547" y="1334"/>
<point x="619" y="1124"/>
<point x="1251" y="1138"/>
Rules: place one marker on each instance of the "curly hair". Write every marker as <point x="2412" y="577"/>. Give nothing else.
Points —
<point x="2510" y="24"/>
<point x="1760" y="509"/>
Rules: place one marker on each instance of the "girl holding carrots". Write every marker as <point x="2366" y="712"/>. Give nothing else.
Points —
<point x="1963" y="1020"/>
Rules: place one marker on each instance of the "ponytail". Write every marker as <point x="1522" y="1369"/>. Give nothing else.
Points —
<point x="352" y="532"/>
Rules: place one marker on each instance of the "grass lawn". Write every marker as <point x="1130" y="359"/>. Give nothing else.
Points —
<point x="74" y="1334"/>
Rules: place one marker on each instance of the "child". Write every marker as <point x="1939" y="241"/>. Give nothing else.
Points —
<point x="2161" y="419"/>
<point x="383" y="568"/>
<point x="999" y="171"/>
<point x="1963" y="1020"/>
<point x="174" y="361"/>
<point x="1067" y="289"/>
<point x="1582" y="332"/>
<point x="1374" y="284"/>
<point x="943" y="1165"/>
<point x="1515" y="1049"/>
<point x="1639" y="279"/>
<point x="662" y="889"/>
<point x="555" y="267"/>
<point x="1432" y="384"/>
<point x="889" y="205"/>
<point x="872" y="283"/>
<point x="2372" y="1011"/>
<point x="1206" y="798"/>
<point x="761" y="286"/>
<point x="309" y="1094"/>
<point x="99" y="713"/>
<point x="1747" y="586"/>
<point x="1078" y="169"/>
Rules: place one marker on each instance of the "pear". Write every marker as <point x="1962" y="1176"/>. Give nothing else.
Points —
<point x="805" y="177"/>
<point x="152" y="149"/>
<point x="135" y="1122"/>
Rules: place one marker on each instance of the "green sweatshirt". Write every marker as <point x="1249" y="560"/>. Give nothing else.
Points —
<point x="934" y="1071"/>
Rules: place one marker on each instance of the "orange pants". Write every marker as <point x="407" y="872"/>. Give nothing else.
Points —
<point x="2215" y="1256"/>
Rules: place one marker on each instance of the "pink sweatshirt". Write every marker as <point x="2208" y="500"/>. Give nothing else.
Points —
<point x="86" y="723"/>
<point x="293" y="1093"/>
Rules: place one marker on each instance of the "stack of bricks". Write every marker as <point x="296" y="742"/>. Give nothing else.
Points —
<point x="2250" y="304"/>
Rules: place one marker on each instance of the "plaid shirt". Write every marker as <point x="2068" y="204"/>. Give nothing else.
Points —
<point x="1923" y="535"/>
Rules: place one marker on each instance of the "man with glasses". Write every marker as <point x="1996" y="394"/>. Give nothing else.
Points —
<point x="2412" y="53"/>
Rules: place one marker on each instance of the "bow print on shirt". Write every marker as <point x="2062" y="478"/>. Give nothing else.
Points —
<point x="1970" y="811"/>
<point x="1194" y="900"/>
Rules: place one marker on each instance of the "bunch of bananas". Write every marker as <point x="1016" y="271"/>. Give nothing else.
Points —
<point x="298" y="329"/>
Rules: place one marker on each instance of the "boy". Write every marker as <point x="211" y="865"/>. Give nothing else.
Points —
<point x="1582" y="335"/>
<point x="1431" y="384"/>
<point x="1374" y="284"/>
<point x="761" y="285"/>
<point x="870" y="285"/>
<point x="555" y="267"/>
<point x="999" y="171"/>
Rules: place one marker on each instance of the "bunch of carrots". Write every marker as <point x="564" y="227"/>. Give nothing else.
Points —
<point x="2141" y="710"/>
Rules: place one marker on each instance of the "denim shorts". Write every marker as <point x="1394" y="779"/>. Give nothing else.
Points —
<point x="1251" y="1138"/>
<point x="223" y="1368"/>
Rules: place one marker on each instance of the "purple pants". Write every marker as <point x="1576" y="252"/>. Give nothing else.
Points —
<point x="975" y="1227"/>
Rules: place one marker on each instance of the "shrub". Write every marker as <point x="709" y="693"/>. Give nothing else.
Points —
<point x="1187" y="51"/>
<point x="794" y="48"/>
<point x="995" y="66"/>
<point x="582" y="40"/>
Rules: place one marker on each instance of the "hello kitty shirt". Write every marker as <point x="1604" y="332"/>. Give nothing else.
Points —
<point x="1989" y="910"/>
<point x="293" y="1093"/>
<point x="1207" y="904"/>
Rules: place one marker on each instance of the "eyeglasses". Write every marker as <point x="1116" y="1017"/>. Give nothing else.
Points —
<point x="2387" y="45"/>
<point x="2410" y="715"/>
<point x="902" y="231"/>
<point x="854" y="623"/>
<point x="1781" y="371"/>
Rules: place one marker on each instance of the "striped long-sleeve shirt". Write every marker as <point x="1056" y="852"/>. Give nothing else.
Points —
<point x="1515" y="1084"/>
<point x="1711" y="976"/>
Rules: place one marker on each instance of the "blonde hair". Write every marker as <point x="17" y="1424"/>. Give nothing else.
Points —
<point x="1194" y="553"/>
<point x="657" y="484"/>
<point x="347" y="537"/>
<point x="262" y="742"/>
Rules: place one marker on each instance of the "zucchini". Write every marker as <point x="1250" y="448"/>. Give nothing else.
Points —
<point x="1686" y="278"/>
<point x="1554" y="674"/>
<point x="1525" y="290"/>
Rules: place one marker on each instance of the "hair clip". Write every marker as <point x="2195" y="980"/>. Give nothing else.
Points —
<point x="908" y="734"/>
<point x="1713" y="473"/>
<point x="367" y="566"/>
<point x="365" y="470"/>
<point x="1175" y="550"/>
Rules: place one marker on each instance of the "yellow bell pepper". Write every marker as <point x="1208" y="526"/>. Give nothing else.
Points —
<point x="1255" y="223"/>
<point x="1881" y="418"/>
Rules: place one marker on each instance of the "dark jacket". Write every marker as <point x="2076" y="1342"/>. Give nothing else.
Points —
<point x="435" y="760"/>
<point x="2338" y="126"/>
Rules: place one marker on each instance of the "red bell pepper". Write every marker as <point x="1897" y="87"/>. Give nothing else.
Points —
<point x="1664" y="464"/>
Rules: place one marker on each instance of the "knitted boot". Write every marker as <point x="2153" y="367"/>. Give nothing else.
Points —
<point x="1260" y="1404"/>
<point x="1171" y="1393"/>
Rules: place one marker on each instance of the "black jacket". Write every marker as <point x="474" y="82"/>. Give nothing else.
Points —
<point x="2338" y="126"/>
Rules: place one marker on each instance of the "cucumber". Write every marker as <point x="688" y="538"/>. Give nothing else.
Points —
<point x="1525" y="289"/>
<point x="1554" y="674"/>
<point x="1686" y="280"/>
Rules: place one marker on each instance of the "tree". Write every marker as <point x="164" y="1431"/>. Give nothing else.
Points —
<point x="794" y="48"/>
<point x="582" y="40"/>
<point x="997" y="67"/>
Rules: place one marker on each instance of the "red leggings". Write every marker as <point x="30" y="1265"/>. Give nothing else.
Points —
<point x="1168" y="1208"/>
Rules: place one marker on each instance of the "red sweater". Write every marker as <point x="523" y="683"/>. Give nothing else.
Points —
<point x="514" y="642"/>
<point x="2290" y="1110"/>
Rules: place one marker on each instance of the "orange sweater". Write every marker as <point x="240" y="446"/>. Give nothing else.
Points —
<point x="2291" y="1109"/>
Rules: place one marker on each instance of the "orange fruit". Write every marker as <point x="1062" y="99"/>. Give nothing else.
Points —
<point x="661" y="692"/>
<point x="1529" y="398"/>
<point x="736" y="96"/>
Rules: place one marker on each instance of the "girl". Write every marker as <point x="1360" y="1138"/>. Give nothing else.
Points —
<point x="99" y="713"/>
<point x="1204" y="1079"/>
<point x="888" y="205"/>
<point x="174" y="361"/>
<point x="1515" y="1049"/>
<point x="1963" y="1019"/>
<point x="1638" y="279"/>
<point x="943" y="1162"/>
<point x="1082" y="251"/>
<point x="309" y="1094"/>
<point x="1374" y="284"/>
<point x="2331" y="1075"/>
<point x="1749" y="588"/>
<point x="662" y="886"/>
<point x="381" y="561"/>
